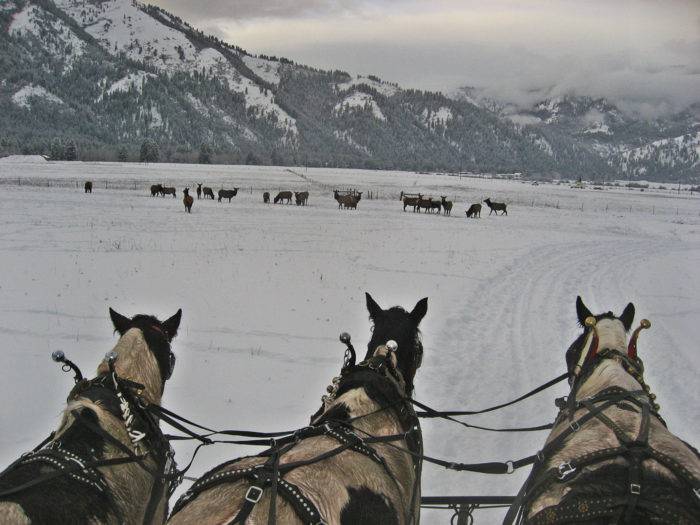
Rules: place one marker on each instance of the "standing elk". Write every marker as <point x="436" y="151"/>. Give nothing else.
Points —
<point x="284" y="196"/>
<point x="446" y="206"/>
<point x="423" y="203"/>
<point x="88" y="186"/>
<point x="208" y="192"/>
<point x="474" y="211"/>
<point x="168" y="191"/>
<point x="410" y="200"/>
<point x="227" y="194"/>
<point x="496" y="207"/>
<point x="346" y="201"/>
<point x="199" y="191"/>
<point x="266" y="197"/>
<point x="301" y="197"/>
<point x="156" y="189"/>
<point x="187" y="200"/>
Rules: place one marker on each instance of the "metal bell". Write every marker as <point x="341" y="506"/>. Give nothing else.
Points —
<point x="345" y="338"/>
<point x="392" y="345"/>
<point x="111" y="356"/>
<point x="58" y="356"/>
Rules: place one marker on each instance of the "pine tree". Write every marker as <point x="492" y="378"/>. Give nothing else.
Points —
<point x="70" y="152"/>
<point x="150" y="151"/>
<point x="56" y="149"/>
<point x="204" y="154"/>
<point x="123" y="154"/>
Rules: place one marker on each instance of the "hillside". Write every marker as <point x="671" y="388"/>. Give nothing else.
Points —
<point x="103" y="76"/>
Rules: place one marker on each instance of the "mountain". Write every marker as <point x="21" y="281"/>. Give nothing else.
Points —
<point x="665" y="148"/>
<point x="97" y="78"/>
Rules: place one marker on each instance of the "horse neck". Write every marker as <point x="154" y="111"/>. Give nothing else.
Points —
<point x="608" y="373"/>
<point x="136" y="362"/>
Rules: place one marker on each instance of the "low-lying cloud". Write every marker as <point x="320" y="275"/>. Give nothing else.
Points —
<point x="644" y="55"/>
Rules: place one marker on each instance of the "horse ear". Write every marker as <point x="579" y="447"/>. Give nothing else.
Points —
<point x="171" y="325"/>
<point x="121" y="323"/>
<point x="420" y="310"/>
<point x="372" y="307"/>
<point x="582" y="311"/>
<point x="627" y="316"/>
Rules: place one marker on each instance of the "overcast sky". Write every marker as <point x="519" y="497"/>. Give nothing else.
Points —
<point x="643" y="54"/>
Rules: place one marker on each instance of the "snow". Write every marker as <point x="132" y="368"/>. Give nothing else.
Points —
<point x="384" y="88"/>
<point x="22" y="159"/>
<point x="543" y="144"/>
<point x="132" y="80"/>
<point x="524" y="119"/>
<point x="439" y="117"/>
<point x="346" y="137"/>
<point x="362" y="101"/>
<point x="598" y="128"/>
<point x="266" y="289"/>
<point x="118" y="25"/>
<point x="665" y="151"/>
<point x="23" y="97"/>
<point x="268" y="70"/>
<point x="56" y="36"/>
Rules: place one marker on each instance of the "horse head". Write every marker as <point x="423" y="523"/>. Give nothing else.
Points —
<point x="143" y="352"/>
<point x="396" y="324"/>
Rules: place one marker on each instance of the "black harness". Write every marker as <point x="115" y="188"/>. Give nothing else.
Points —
<point x="121" y="398"/>
<point x="634" y="450"/>
<point x="270" y="474"/>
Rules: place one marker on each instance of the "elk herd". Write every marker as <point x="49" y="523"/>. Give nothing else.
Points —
<point x="419" y="202"/>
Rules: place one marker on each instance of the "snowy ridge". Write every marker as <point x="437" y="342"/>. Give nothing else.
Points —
<point x="439" y="117"/>
<point x="132" y="80"/>
<point x="23" y="97"/>
<point x="57" y="38"/>
<point x="268" y="70"/>
<point x="346" y="137"/>
<point x="362" y="101"/>
<point x="121" y="27"/>
<point x="668" y="152"/>
<point x="384" y="88"/>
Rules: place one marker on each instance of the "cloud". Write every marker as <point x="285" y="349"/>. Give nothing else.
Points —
<point x="642" y="54"/>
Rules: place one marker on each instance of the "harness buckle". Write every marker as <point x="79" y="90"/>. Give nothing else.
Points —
<point x="566" y="469"/>
<point x="510" y="467"/>
<point x="635" y="488"/>
<point x="575" y="426"/>
<point x="254" y="494"/>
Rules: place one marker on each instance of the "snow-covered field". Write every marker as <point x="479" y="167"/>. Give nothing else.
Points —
<point x="265" y="291"/>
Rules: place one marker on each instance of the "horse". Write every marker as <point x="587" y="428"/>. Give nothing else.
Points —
<point x="426" y="204"/>
<point x="266" y="197"/>
<point x="187" y="200"/>
<point x="610" y="457"/>
<point x="446" y="206"/>
<point x="227" y="194"/>
<point x="496" y="207"/>
<point x="167" y="191"/>
<point x="301" y="197"/>
<point x="283" y="196"/>
<point x="208" y="192"/>
<point x="108" y="461"/>
<point x="409" y="201"/>
<point x="357" y="463"/>
<point x="347" y="201"/>
<point x="199" y="190"/>
<point x="156" y="189"/>
<point x="474" y="211"/>
<point x="88" y="186"/>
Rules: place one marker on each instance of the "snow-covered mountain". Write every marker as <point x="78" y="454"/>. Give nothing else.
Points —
<point x="107" y="74"/>
<point x="633" y="147"/>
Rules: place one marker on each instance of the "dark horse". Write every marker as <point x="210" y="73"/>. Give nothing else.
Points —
<point x="496" y="207"/>
<point x="352" y="465"/>
<point x="88" y="186"/>
<point x="610" y="457"/>
<point x="107" y="462"/>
